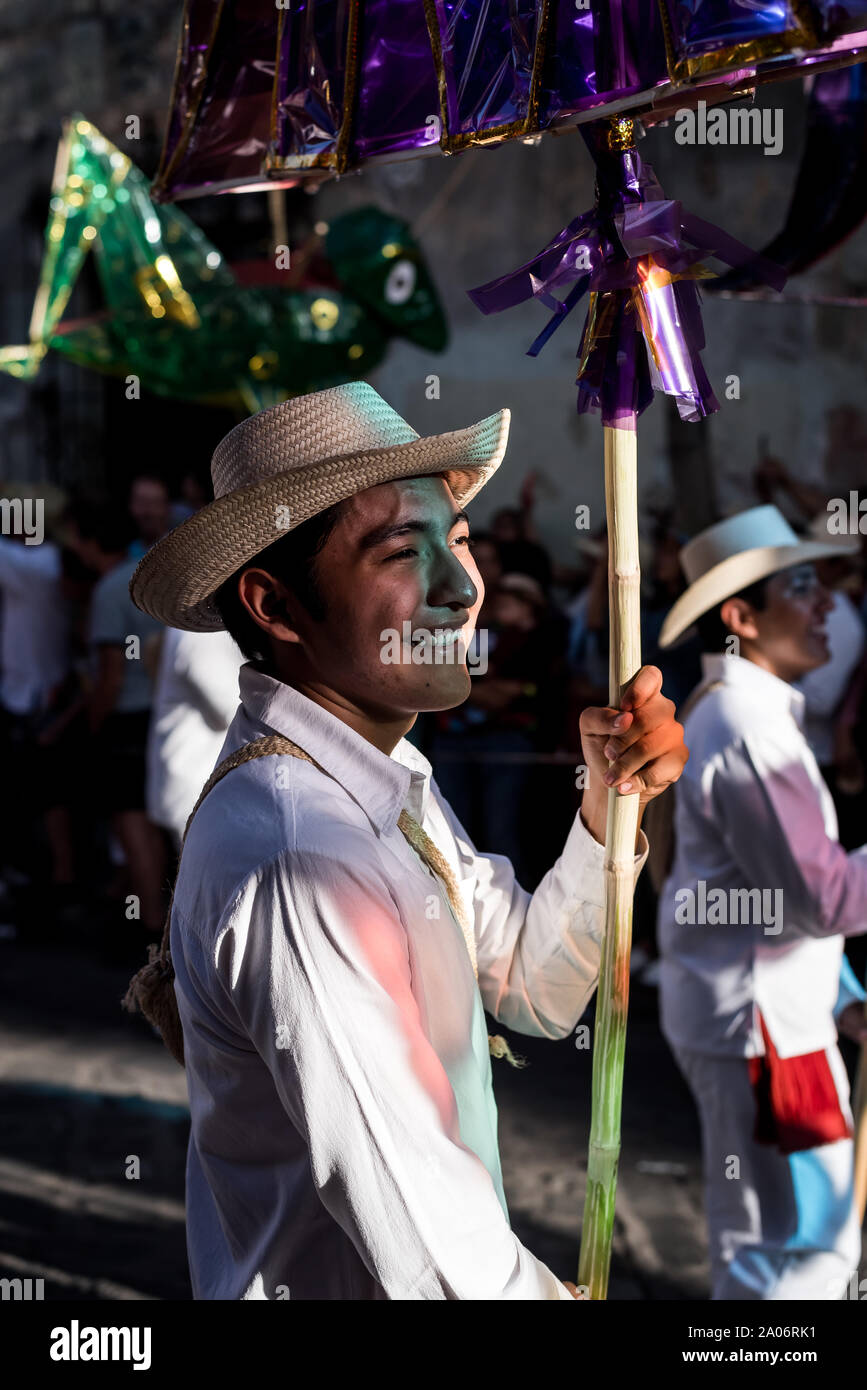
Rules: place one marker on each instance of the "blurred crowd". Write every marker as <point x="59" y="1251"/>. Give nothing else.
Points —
<point x="110" y="723"/>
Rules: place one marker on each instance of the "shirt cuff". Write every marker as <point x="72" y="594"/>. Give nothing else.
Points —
<point x="581" y="847"/>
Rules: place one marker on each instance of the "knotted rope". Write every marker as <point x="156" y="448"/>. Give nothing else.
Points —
<point x="151" y="991"/>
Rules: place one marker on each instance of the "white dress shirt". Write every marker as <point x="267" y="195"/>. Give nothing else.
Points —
<point x="34" y="651"/>
<point x="344" y="1129"/>
<point x="824" y="688"/>
<point x="752" y="811"/>
<point x="195" y="700"/>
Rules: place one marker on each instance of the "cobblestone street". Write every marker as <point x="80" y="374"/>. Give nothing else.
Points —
<point x="86" y="1089"/>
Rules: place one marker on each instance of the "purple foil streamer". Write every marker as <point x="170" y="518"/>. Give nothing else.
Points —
<point x="199" y="20"/>
<point x="310" y="78"/>
<point x="630" y="47"/>
<point x="647" y="333"/>
<point x="702" y="26"/>
<point x="398" y="99"/>
<point x="221" y="117"/>
<point x="487" y="48"/>
<point x="571" y="65"/>
<point x="611" y="53"/>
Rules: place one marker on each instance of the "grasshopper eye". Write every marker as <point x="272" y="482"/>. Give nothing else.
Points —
<point x="400" y="282"/>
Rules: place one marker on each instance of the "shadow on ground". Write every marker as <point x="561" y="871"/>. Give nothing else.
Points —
<point x="91" y="1096"/>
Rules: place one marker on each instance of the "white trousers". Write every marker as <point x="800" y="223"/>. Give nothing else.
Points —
<point x="780" y="1226"/>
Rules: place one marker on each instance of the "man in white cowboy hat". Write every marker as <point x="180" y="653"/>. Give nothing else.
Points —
<point x="752" y="920"/>
<point x="330" y="911"/>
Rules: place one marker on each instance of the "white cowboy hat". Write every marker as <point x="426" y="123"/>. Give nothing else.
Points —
<point x="287" y="464"/>
<point x="844" y="543"/>
<point x="732" y="555"/>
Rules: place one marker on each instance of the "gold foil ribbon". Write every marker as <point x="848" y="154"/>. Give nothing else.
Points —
<point x="350" y="89"/>
<point x="338" y="157"/>
<point x="166" y="170"/>
<point x="621" y="134"/>
<point x="452" y="142"/>
<point x="683" y="71"/>
<point x="40" y="330"/>
<point x="160" y="287"/>
<point x="603" y="306"/>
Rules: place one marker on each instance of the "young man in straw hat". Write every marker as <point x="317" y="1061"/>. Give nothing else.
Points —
<point x="752" y="918"/>
<point x="331" y="918"/>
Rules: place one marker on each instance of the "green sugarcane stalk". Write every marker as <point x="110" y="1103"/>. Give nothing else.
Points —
<point x="859" y="1111"/>
<point x="609" y="1041"/>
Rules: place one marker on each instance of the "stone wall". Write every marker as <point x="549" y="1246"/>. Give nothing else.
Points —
<point x="106" y="59"/>
<point x="801" y="368"/>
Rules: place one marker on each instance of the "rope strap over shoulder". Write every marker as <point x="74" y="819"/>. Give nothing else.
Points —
<point x="151" y="991"/>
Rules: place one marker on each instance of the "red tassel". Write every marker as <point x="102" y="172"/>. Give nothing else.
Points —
<point x="797" y="1104"/>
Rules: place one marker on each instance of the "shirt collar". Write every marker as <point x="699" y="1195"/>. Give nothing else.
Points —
<point x="736" y="670"/>
<point x="381" y="785"/>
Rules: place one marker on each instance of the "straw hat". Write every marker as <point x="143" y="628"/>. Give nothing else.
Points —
<point x="732" y="555"/>
<point x="288" y="463"/>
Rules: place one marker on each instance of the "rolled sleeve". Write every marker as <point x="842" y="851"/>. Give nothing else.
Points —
<point x="770" y="815"/>
<point x="318" y="969"/>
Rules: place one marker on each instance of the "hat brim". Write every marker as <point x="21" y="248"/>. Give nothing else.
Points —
<point x="177" y="579"/>
<point x="736" y="573"/>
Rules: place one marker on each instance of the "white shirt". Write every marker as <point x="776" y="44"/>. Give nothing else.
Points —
<point x="344" y="1129"/>
<point x="752" y="811"/>
<point x="195" y="700"/>
<point x="824" y="688"/>
<point x="34" y="651"/>
<point x="113" y="620"/>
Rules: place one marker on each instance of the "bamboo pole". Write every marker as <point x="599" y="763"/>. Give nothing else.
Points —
<point x="279" y="219"/>
<point x="609" y="1042"/>
<point x="859" y="1112"/>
